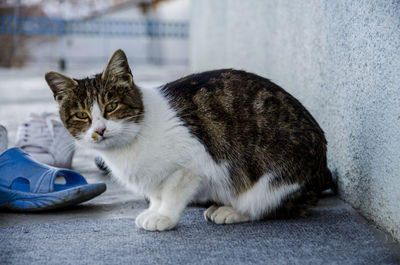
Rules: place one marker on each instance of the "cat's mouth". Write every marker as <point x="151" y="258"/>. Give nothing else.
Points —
<point x="102" y="139"/>
<point x="100" y="142"/>
<point x="98" y="138"/>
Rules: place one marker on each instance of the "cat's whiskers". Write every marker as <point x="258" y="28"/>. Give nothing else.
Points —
<point x="131" y="117"/>
<point x="130" y="131"/>
<point x="67" y="148"/>
<point x="184" y="115"/>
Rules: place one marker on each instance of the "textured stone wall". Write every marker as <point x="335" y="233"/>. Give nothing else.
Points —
<point x="342" y="60"/>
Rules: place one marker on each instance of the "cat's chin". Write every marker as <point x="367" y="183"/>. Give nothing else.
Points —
<point x="105" y="144"/>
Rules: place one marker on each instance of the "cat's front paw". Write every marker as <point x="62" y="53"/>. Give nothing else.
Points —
<point x="153" y="221"/>
<point x="142" y="217"/>
<point x="224" y="215"/>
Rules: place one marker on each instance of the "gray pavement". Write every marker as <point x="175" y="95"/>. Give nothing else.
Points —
<point x="102" y="231"/>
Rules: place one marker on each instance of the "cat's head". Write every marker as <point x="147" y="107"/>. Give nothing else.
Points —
<point x="101" y="112"/>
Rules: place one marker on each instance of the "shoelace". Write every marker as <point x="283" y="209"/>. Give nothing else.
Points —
<point x="38" y="133"/>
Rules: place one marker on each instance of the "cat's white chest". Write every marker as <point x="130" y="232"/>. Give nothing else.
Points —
<point x="137" y="167"/>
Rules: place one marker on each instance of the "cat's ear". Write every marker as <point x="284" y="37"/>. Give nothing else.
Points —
<point x="59" y="83"/>
<point x="117" y="66"/>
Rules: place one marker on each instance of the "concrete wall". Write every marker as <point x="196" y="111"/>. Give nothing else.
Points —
<point x="342" y="60"/>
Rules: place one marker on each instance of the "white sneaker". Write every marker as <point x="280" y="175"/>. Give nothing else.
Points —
<point x="45" y="138"/>
<point x="3" y="139"/>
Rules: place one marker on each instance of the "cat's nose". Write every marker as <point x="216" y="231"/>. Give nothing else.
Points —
<point x="100" y="131"/>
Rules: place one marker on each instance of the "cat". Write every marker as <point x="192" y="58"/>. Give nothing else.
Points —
<point x="226" y="136"/>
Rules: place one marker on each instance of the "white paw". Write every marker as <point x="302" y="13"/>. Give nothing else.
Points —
<point x="225" y="215"/>
<point x="153" y="221"/>
<point x="210" y="211"/>
<point x="142" y="217"/>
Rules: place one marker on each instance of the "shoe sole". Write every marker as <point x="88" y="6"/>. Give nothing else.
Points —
<point x="30" y="202"/>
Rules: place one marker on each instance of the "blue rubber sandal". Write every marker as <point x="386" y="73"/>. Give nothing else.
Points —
<point x="27" y="185"/>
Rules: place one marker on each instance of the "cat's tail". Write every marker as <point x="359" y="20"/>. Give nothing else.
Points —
<point x="298" y="203"/>
<point x="329" y="182"/>
<point x="325" y="182"/>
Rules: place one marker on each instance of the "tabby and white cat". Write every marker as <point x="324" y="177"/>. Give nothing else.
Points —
<point x="228" y="137"/>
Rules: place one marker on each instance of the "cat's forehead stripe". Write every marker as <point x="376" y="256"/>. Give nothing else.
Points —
<point x="96" y="111"/>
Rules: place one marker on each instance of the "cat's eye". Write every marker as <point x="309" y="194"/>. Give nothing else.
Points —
<point x="81" y="115"/>
<point x="112" y="106"/>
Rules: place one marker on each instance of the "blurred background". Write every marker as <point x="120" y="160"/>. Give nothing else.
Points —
<point x="341" y="59"/>
<point x="71" y="33"/>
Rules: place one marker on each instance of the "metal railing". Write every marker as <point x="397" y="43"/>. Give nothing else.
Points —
<point x="31" y="26"/>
